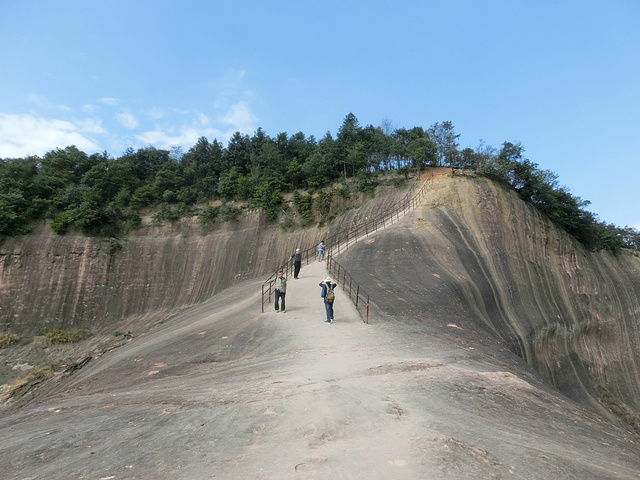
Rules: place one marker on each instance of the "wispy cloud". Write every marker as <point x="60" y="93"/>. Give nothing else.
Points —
<point x="240" y="117"/>
<point x="157" y="113"/>
<point x="38" y="100"/>
<point x="89" y="108"/>
<point x="43" y="102"/>
<point x="228" y="87"/>
<point x="109" y="101"/>
<point x="23" y="135"/>
<point x="91" y="126"/>
<point x="127" y="119"/>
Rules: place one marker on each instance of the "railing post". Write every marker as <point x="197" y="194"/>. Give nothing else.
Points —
<point x="367" y="309"/>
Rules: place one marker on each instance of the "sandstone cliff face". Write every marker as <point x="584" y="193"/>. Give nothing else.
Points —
<point x="49" y="280"/>
<point x="476" y="256"/>
<point x="71" y="281"/>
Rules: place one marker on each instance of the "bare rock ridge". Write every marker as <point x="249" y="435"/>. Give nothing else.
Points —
<point x="498" y="348"/>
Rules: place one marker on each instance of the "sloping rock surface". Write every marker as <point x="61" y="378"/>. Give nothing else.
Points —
<point x="433" y="387"/>
<point x="222" y="392"/>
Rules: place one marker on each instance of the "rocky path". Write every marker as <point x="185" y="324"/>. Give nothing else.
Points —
<point x="222" y="391"/>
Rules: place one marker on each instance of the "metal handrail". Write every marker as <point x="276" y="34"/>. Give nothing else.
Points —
<point x="347" y="238"/>
<point x="286" y="268"/>
<point x="349" y="286"/>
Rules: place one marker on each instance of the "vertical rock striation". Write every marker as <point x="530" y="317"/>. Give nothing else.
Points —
<point x="72" y="281"/>
<point x="476" y="256"/>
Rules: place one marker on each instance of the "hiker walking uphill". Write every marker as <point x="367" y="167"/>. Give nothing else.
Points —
<point x="321" y="251"/>
<point x="329" y="296"/>
<point x="296" y="258"/>
<point x="281" y="290"/>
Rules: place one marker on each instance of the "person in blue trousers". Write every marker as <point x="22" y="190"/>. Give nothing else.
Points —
<point x="328" y="285"/>
<point x="321" y="251"/>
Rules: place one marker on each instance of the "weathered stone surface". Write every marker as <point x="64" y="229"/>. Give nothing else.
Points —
<point x="476" y="256"/>
<point x="222" y="392"/>
<point x="49" y="280"/>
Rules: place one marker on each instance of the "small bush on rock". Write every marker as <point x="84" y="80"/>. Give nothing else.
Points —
<point x="7" y="338"/>
<point x="57" y="336"/>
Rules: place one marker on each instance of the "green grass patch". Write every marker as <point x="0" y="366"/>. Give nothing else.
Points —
<point x="7" y="338"/>
<point x="57" y="336"/>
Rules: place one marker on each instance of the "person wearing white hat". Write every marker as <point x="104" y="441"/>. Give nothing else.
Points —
<point x="296" y="258"/>
<point x="328" y="295"/>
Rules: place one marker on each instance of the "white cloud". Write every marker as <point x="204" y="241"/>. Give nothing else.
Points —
<point x="41" y="101"/>
<point x="202" y="119"/>
<point x="38" y="100"/>
<point x="22" y="135"/>
<point x="186" y="137"/>
<point x="91" y="126"/>
<point x="156" y="113"/>
<point x="109" y="101"/>
<point x="127" y="119"/>
<point x="240" y="117"/>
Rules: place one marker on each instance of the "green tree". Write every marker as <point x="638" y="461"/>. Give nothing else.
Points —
<point x="446" y="139"/>
<point x="234" y="185"/>
<point x="238" y="153"/>
<point x="345" y="143"/>
<point x="316" y="170"/>
<point x="13" y="214"/>
<point x="423" y="152"/>
<point x="146" y="162"/>
<point x="201" y="167"/>
<point x="267" y="196"/>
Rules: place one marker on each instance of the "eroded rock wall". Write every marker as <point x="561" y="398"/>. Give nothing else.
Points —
<point x="475" y="256"/>
<point x="72" y="281"/>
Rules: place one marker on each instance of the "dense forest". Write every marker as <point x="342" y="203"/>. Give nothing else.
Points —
<point x="102" y="195"/>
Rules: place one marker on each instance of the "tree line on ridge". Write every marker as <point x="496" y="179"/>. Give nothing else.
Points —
<point x="101" y="195"/>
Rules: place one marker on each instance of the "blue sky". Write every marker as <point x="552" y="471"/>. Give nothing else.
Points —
<point x="561" y="77"/>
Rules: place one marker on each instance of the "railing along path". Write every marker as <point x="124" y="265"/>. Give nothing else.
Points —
<point x="340" y="242"/>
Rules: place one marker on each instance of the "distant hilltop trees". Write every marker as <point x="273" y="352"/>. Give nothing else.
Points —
<point x="101" y="195"/>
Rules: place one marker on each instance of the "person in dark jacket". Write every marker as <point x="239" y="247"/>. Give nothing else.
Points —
<point x="328" y="284"/>
<point x="296" y="258"/>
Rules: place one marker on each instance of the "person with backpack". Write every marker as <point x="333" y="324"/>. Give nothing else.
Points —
<point x="280" y="286"/>
<point x="328" y="295"/>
